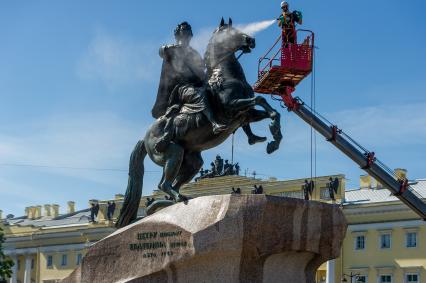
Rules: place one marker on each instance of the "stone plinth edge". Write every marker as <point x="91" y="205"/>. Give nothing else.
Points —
<point x="222" y="238"/>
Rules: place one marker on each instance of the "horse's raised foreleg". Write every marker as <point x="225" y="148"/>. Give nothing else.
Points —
<point x="261" y="101"/>
<point x="241" y="104"/>
<point x="252" y="138"/>
<point x="274" y="126"/>
<point x="254" y="115"/>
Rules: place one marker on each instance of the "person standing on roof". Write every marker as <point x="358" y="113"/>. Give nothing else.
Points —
<point x="110" y="210"/>
<point x="287" y="22"/>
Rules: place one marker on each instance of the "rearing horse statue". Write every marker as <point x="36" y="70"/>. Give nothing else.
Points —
<point x="233" y="102"/>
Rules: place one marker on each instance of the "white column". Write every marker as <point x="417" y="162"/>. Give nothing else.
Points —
<point x="27" y="274"/>
<point x="330" y="271"/>
<point x="13" y="279"/>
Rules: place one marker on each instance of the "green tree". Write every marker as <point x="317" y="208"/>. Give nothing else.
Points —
<point x="5" y="262"/>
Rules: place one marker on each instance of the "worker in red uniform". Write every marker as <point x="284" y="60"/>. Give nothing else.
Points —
<point x="287" y="22"/>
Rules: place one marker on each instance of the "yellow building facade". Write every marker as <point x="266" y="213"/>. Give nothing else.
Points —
<point x="385" y="240"/>
<point x="48" y="246"/>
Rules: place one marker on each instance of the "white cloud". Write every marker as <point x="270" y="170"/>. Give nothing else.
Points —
<point x="71" y="146"/>
<point x="117" y="61"/>
<point x="385" y="125"/>
<point x="89" y="140"/>
<point x="385" y="129"/>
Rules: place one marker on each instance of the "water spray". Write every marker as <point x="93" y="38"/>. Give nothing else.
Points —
<point x="253" y="28"/>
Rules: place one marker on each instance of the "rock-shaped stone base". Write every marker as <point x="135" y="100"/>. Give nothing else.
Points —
<point x="223" y="238"/>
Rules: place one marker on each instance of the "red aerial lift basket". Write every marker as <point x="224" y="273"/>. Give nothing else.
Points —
<point x="290" y="64"/>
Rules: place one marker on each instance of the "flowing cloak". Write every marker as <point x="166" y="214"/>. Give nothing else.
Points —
<point x="181" y="81"/>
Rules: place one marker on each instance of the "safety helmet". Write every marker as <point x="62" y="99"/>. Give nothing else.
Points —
<point x="284" y="3"/>
<point x="183" y="30"/>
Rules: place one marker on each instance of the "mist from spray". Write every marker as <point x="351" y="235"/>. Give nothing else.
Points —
<point x="202" y="36"/>
<point x="253" y="28"/>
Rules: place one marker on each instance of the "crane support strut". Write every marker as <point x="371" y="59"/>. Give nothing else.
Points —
<point x="280" y="71"/>
<point x="334" y="132"/>
<point x="370" y="159"/>
<point x="365" y="159"/>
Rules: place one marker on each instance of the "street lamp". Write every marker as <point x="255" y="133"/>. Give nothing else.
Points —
<point x="350" y="276"/>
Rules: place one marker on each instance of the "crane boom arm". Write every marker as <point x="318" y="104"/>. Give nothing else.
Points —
<point x="364" y="158"/>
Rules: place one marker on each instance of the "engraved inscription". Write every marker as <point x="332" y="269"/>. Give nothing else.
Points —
<point x="155" y="244"/>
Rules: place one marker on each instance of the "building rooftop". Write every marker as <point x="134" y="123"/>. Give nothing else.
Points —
<point x="76" y="218"/>
<point x="368" y="195"/>
<point x="222" y="185"/>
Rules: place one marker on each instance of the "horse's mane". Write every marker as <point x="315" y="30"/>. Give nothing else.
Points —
<point x="210" y="48"/>
<point x="208" y="54"/>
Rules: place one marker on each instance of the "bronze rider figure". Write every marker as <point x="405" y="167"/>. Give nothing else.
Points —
<point x="183" y="87"/>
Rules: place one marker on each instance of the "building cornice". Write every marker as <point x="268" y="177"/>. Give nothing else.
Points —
<point x="47" y="249"/>
<point x="385" y="225"/>
<point x="13" y="239"/>
<point x="383" y="208"/>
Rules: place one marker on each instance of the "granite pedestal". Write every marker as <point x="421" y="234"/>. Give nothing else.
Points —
<point x="222" y="238"/>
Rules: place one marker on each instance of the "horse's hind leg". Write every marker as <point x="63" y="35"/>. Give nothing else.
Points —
<point x="192" y="162"/>
<point x="172" y="165"/>
<point x="162" y="180"/>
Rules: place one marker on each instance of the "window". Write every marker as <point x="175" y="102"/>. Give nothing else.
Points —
<point x="64" y="260"/>
<point x="385" y="241"/>
<point x="360" y="242"/>
<point x="32" y="263"/>
<point x="412" y="278"/>
<point x="292" y="194"/>
<point x="411" y="240"/>
<point x="79" y="257"/>
<point x="19" y="264"/>
<point x="360" y="279"/>
<point x="325" y="194"/>
<point x="385" y="279"/>
<point x="49" y="261"/>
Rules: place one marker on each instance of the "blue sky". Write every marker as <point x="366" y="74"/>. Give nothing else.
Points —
<point x="78" y="80"/>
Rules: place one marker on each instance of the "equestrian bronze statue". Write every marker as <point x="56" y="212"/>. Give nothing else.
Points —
<point x="200" y="103"/>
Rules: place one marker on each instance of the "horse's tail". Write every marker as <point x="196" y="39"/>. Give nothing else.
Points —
<point x="129" y="211"/>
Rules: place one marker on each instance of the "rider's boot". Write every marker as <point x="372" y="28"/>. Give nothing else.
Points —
<point x="252" y="138"/>
<point x="217" y="127"/>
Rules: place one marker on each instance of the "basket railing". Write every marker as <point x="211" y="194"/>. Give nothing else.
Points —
<point x="266" y="61"/>
<point x="296" y="56"/>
